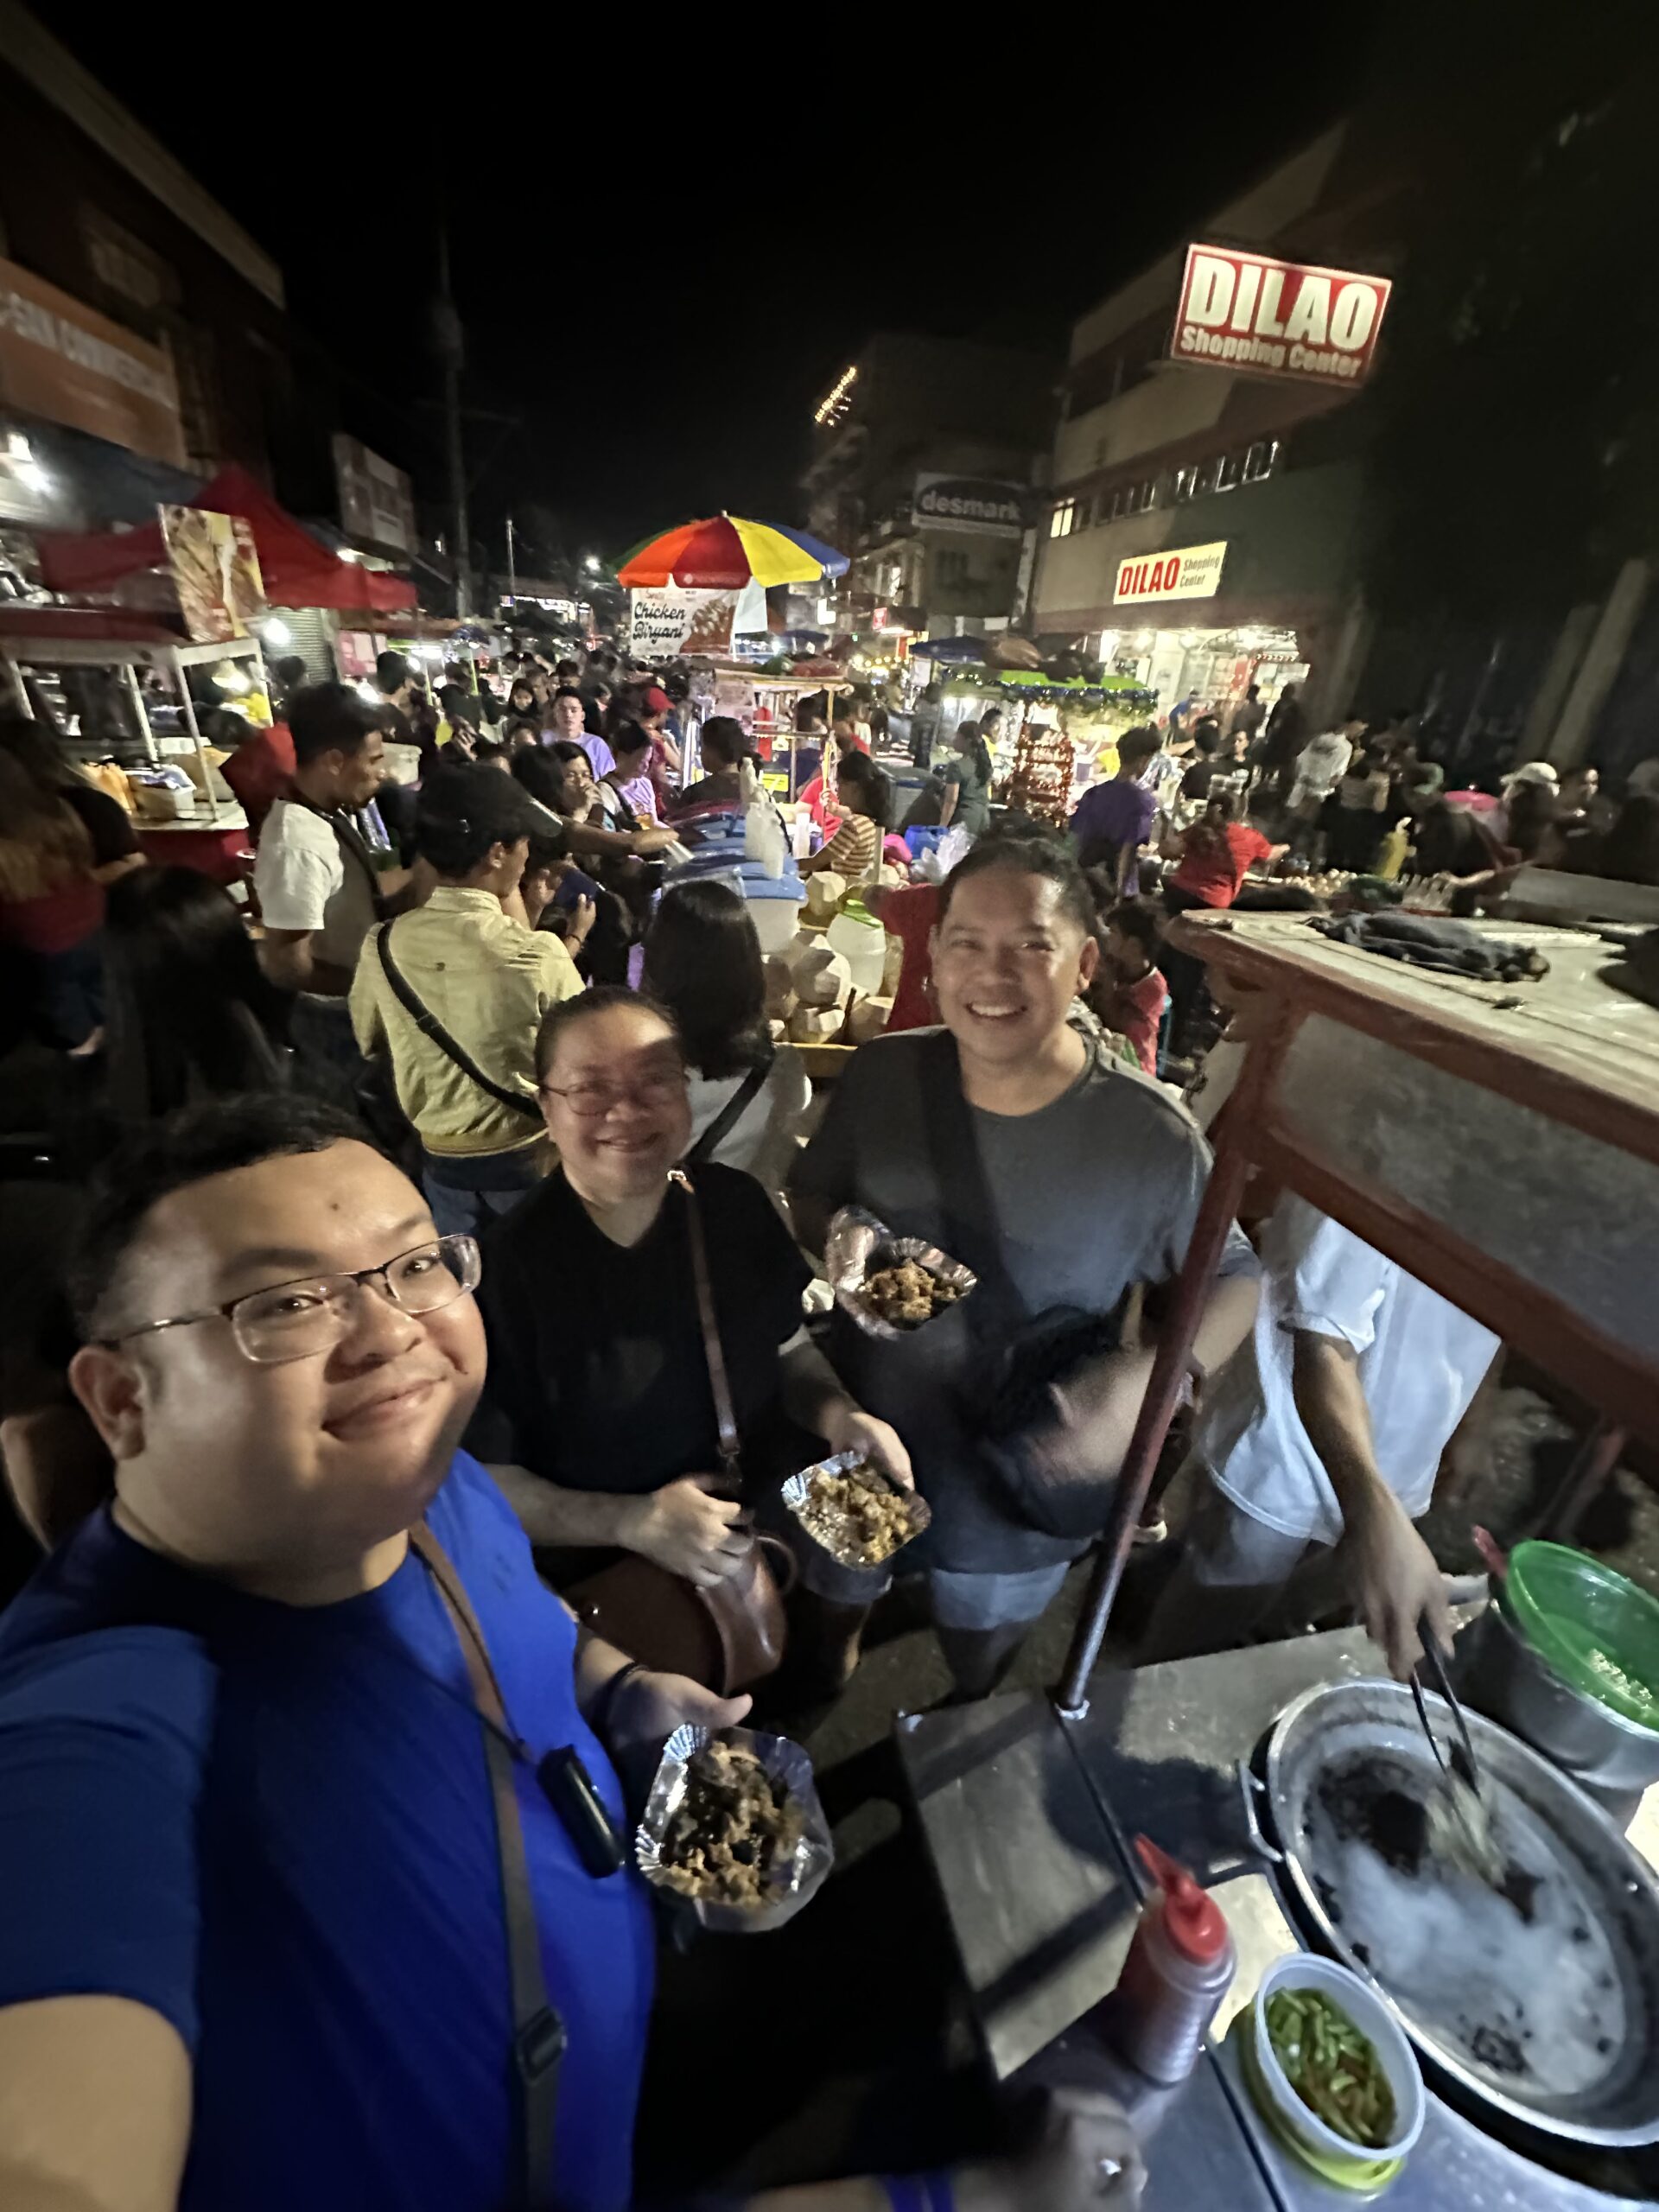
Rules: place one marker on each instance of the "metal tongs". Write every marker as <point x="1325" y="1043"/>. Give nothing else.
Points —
<point x="1460" y="1819"/>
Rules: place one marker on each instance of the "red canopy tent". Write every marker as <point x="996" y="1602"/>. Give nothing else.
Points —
<point x="298" y="570"/>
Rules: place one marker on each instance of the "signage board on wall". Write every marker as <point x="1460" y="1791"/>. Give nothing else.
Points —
<point x="1260" y="316"/>
<point x="68" y="363"/>
<point x="1183" y="572"/>
<point x="376" y="501"/>
<point x="988" y="505"/>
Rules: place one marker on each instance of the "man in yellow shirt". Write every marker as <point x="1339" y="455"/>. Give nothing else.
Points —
<point x="455" y="992"/>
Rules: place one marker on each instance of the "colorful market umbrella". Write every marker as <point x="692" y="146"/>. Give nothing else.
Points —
<point x="725" y="552"/>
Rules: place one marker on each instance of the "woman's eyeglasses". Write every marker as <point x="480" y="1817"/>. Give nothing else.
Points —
<point x="591" y="1102"/>
<point x="300" y="1320"/>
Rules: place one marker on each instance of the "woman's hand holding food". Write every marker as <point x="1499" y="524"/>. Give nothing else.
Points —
<point x="649" y="1706"/>
<point x="687" y="1529"/>
<point x="847" y="1428"/>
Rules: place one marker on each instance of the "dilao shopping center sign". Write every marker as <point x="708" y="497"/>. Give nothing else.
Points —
<point x="1184" y="572"/>
<point x="1248" y="312"/>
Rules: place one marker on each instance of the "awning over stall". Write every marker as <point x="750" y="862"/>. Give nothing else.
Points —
<point x="298" y="570"/>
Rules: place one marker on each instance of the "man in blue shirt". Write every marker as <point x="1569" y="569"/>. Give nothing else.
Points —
<point x="257" y="1955"/>
<point x="241" y="1780"/>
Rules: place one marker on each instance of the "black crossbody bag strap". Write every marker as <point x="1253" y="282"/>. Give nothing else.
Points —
<point x="538" y="2036"/>
<point x="731" y="1113"/>
<point x="430" y="1026"/>
<point x="349" y="844"/>
<point x="708" y="1321"/>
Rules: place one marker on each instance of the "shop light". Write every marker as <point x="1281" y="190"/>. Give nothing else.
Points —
<point x="276" y="631"/>
<point x="350" y="553"/>
<point x="432" y="653"/>
<point x="30" y="473"/>
<point x="592" y="564"/>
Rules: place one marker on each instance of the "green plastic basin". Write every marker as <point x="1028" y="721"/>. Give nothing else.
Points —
<point x="1597" y="1629"/>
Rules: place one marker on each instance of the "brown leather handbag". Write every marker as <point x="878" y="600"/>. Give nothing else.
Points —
<point x="727" y="1639"/>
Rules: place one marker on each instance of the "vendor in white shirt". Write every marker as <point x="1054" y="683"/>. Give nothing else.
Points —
<point x="1318" y="1445"/>
<point x="1320" y="766"/>
<point x="313" y="876"/>
<point x="319" y="895"/>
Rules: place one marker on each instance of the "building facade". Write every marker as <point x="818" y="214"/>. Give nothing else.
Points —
<point x="927" y="455"/>
<point x="1261" y="477"/>
<point x="143" y="334"/>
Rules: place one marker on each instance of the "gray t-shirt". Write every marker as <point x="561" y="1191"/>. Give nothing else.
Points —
<point x="1094" y="1194"/>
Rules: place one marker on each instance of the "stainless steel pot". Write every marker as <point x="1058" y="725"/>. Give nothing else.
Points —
<point x="1605" y="2091"/>
<point x="1599" y="1748"/>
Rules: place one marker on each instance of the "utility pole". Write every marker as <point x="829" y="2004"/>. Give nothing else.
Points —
<point x="512" y="566"/>
<point x="451" y="345"/>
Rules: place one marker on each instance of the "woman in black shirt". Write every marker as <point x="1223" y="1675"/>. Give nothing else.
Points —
<point x="598" y="1416"/>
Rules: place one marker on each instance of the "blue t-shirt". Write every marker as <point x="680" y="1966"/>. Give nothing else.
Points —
<point x="273" y="1826"/>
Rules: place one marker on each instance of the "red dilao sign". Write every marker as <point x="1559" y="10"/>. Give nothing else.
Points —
<point x="1249" y="312"/>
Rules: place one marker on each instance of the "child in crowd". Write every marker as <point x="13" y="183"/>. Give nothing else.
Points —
<point x="1128" y="994"/>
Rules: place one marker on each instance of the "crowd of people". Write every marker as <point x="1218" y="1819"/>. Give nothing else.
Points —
<point x="439" y="1330"/>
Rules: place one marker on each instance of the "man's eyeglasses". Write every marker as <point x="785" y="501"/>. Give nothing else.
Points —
<point x="592" y="1100"/>
<point x="300" y="1319"/>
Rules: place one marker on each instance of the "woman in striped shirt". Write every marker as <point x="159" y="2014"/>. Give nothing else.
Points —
<point x="864" y="795"/>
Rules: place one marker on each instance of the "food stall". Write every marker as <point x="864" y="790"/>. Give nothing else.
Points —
<point x="332" y="603"/>
<point x="213" y="834"/>
<point x="1502" y="1141"/>
<point x="764" y="705"/>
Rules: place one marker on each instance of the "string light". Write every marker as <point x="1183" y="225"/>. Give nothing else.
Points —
<point x="831" y="409"/>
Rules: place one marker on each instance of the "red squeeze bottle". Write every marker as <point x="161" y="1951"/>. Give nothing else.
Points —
<point x="1178" y="1969"/>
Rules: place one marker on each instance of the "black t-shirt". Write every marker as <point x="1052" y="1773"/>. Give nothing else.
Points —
<point x="724" y="787"/>
<point x="598" y="1379"/>
<point x="106" y="822"/>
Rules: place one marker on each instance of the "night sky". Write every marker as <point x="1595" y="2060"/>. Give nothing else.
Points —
<point x="662" y="264"/>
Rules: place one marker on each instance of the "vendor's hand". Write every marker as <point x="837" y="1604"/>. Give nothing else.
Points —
<point x="691" y="1532"/>
<point x="847" y="1428"/>
<point x="1087" y="2160"/>
<point x="656" y="839"/>
<point x="1396" y="1581"/>
<point x="649" y="1706"/>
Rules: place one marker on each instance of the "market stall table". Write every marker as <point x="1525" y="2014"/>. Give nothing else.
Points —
<point x="219" y="848"/>
<point x="1029" y="1819"/>
<point x="97" y="637"/>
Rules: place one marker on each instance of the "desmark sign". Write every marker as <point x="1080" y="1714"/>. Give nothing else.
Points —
<point x="1187" y="572"/>
<point x="989" y="505"/>
<point x="1249" y="312"/>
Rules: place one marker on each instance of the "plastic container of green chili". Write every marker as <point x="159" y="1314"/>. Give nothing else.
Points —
<point x="1302" y="1973"/>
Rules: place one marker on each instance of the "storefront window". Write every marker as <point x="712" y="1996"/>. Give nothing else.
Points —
<point x="1063" y="520"/>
